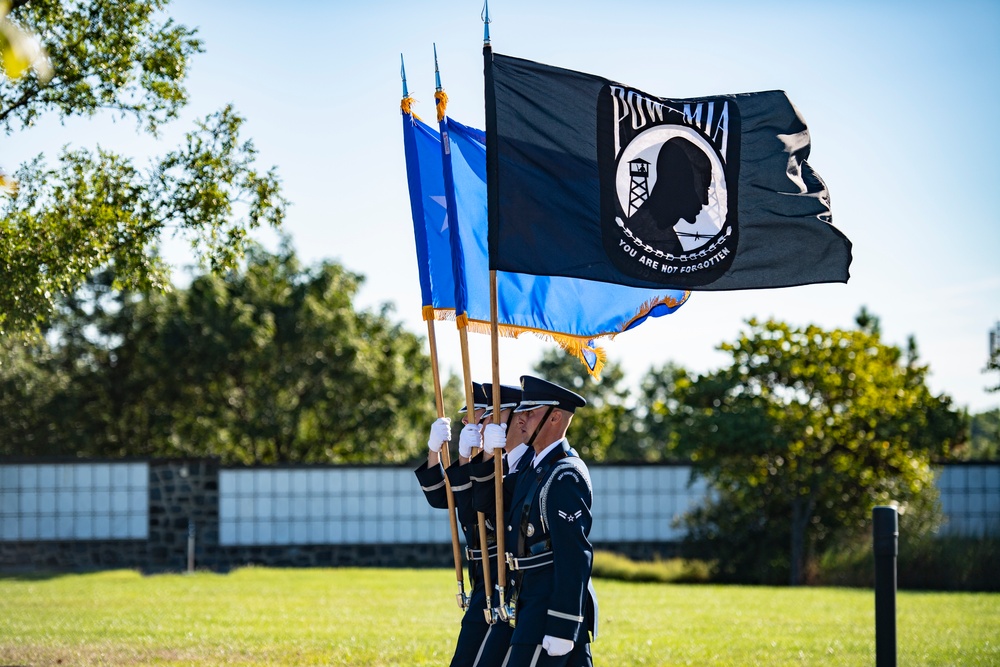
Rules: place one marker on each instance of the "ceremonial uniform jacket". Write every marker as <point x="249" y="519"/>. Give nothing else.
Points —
<point x="432" y="482"/>
<point x="479" y="643"/>
<point x="548" y="528"/>
<point x="482" y="472"/>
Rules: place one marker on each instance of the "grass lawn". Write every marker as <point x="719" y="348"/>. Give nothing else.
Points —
<point x="259" y="616"/>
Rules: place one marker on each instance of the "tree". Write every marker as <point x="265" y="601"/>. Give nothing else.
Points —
<point x="984" y="436"/>
<point x="267" y="364"/>
<point x="993" y="361"/>
<point x="801" y="435"/>
<point x="604" y="430"/>
<point x="96" y="208"/>
<point x="660" y="393"/>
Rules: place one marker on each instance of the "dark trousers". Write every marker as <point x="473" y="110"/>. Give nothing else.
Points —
<point x="470" y="638"/>
<point x="482" y="645"/>
<point x="495" y="645"/>
<point x="533" y="655"/>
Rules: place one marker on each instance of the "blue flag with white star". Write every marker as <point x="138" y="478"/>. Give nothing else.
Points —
<point x="422" y="147"/>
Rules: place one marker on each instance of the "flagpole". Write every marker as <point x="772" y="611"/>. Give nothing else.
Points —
<point x="503" y="612"/>
<point x="456" y="549"/>
<point x="441" y="101"/>
<point x="445" y="454"/>
<point x="484" y="547"/>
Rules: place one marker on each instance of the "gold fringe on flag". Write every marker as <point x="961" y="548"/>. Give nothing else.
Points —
<point x="652" y="303"/>
<point x="574" y="345"/>
<point x="441" y="101"/>
<point x="406" y="107"/>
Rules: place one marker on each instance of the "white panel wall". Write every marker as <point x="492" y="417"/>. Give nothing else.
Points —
<point x="970" y="498"/>
<point x="382" y="505"/>
<point x="105" y="501"/>
<point x="74" y="501"/>
<point x="326" y="506"/>
<point x="641" y="504"/>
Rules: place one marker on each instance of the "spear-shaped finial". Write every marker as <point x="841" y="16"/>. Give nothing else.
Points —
<point x="402" y="74"/>
<point x="440" y="97"/>
<point x="486" y="22"/>
<point x="437" y="73"/>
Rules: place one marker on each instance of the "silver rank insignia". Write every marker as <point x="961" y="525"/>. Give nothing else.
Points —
<point x="530" y="530"/>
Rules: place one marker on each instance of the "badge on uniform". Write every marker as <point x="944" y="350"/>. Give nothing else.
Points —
<point x="571" y="517"/>
<point x="530" y="530"/>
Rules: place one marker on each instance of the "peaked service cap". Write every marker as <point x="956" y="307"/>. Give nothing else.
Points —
<point x="479" y="400"/>
<point x="538" y="393"/>
<point x="509" y="397"/>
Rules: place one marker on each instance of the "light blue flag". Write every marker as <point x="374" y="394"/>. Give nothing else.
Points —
<point x="571" y="311"/>
<point x="422" y="147"/>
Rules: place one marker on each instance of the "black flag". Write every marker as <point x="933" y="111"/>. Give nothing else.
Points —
<point x="593" y="179"/>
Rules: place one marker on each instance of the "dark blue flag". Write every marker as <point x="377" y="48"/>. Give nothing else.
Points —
<point x="597" y="180"/>
<point x="571" y="312"/>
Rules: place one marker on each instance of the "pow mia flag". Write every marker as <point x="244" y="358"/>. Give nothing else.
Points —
<point x="592" y="179"/>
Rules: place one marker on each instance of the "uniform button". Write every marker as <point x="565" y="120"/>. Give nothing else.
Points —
<point x="509" y="528"/>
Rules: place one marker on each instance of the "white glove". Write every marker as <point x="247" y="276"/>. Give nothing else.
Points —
<point x="440" y="434"/>
<point x="470" y="437"/>
<point x="494" y="437"/>
<point x="556" y="646"/>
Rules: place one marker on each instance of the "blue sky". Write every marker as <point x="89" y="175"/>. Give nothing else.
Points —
<point x="900" y="99"/>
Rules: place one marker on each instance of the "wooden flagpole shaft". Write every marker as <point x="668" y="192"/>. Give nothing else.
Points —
<point x="498" y="453"/>
<point x="470" y="411"/>
<point x="456" y="549"/>
<point x="438" y="394"/>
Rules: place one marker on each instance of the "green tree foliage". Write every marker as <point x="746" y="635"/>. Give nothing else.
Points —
<point x="800" y="436"/>
<point x="604" y="430"/>
<point x="993" y="362"/>
<point x="96" y="208"/>
<point x="453" y="395"/>
<point x="660" y="393"/>
<point x="984" y="436"/>
<point x="268" y="364"/>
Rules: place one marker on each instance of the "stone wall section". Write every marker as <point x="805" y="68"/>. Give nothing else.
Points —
<point x="181" y="492"/>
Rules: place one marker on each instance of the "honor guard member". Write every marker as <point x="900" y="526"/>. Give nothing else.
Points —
<point x="516" y="456"/>
<point x="482" y="473"/>
<point x="548" y="528"/>
<point x="431" y="476"/>
<point x="498" y="436"/>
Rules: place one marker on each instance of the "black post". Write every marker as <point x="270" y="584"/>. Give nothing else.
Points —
<point x="886" y="530"/>
<point x="190" y="546"/>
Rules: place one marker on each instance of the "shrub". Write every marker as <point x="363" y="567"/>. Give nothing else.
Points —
<point x="608" y="565"/>
<point x="945" y="563"/>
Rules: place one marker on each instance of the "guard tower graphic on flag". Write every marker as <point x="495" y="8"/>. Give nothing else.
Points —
<point x="639" y="184"/>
